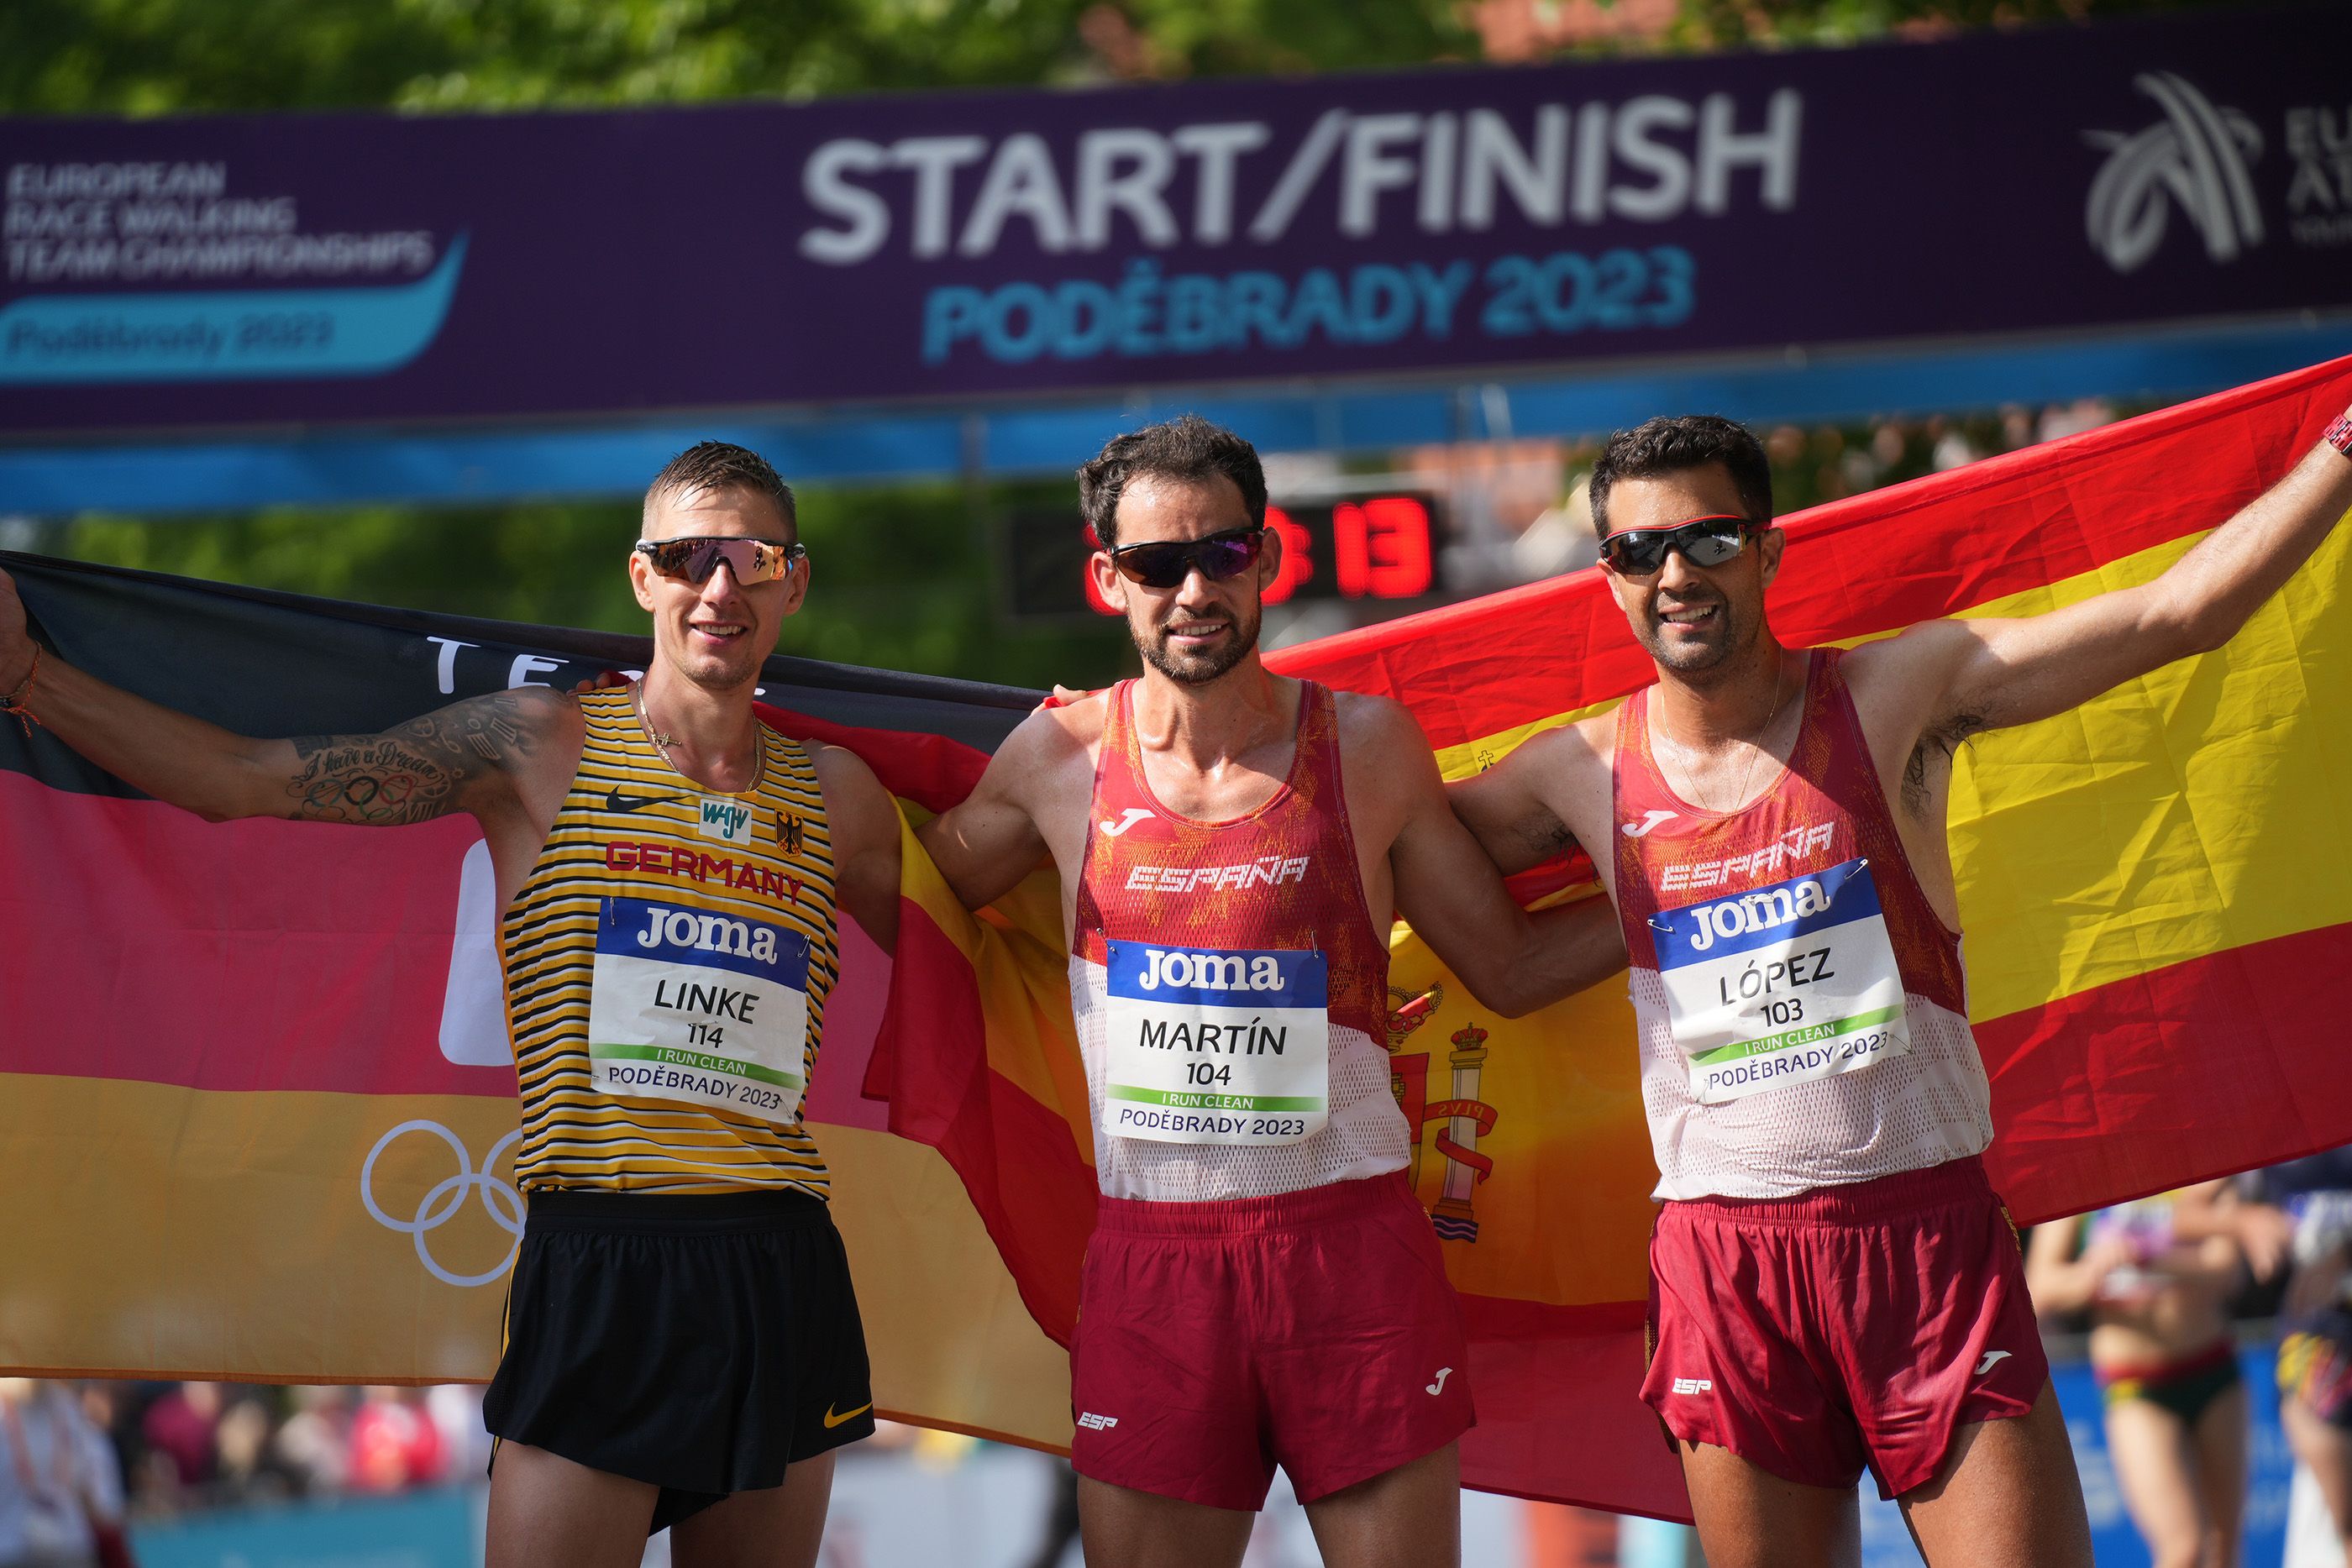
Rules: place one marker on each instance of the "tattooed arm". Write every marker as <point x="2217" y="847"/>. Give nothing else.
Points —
<point x="471" y="756"/>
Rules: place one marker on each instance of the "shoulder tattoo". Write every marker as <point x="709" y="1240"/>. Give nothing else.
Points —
<point x="414" y="771"/>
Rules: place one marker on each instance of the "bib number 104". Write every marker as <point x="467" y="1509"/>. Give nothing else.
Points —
<point x="1208" y="1073"/>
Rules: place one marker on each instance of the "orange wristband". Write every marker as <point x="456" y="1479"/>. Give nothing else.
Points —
<point x="15" y="701"/>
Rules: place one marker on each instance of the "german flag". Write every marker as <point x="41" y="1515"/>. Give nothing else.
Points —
<point x="2153" y="887"/>
<point x="257" y="1097"/>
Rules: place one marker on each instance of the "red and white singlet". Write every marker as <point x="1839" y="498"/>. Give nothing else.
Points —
<point x="1802" y="1009"/>
<point x="1230" y="986"/>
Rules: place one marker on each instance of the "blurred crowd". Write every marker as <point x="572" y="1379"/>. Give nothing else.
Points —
<point x="99" y="1453"/>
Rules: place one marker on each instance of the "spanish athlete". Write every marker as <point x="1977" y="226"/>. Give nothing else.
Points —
<point x="1833" y="1282"/>
<point x="683" y="1345"/>
<point x="1263" y="1287"/>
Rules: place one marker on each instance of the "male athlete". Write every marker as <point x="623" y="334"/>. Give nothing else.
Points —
<point x="683" y="1345"/>
<point x="1833" y="1282"/>
<point x="1261" y="1287"/>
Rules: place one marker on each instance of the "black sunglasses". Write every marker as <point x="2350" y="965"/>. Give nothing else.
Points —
<point x="1704" y="542"/>
<point x="694" y="560"/>
<point x="1166" y="563"/>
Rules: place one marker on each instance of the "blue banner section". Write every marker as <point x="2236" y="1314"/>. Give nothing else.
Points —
<point x="1760" y="917"/>
<point x="226" y="336"/>
<point x="435" y="1528"/>
<point x="665" y="933"/>
<point x="1218" y="978"/>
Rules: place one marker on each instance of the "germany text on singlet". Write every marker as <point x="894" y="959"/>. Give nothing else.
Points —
<point x="1230" y="987"/>
<point x="668" y="962"/>
<point x="1802" y="1010"/>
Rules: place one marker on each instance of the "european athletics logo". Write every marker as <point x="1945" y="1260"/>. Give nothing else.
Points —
<point x="2194" y="158"/>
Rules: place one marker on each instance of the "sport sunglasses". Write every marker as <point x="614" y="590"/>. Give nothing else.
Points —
<point x="695" y="559"/>
<point x="1704" y="542"/>
<point x="1166" y="563"/>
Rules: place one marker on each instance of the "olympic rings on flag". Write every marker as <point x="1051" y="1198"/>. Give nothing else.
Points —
<point x="440" y="1205"/>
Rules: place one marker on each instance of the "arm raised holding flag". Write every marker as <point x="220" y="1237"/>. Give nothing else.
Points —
<point x="1770" y="823"/>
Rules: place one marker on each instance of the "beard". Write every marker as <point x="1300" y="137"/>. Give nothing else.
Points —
<point x="1695" y="656"/>
<point x="1198" y="669"/>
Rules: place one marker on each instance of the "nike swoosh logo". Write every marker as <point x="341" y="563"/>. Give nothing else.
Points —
<point x="616" y="801"/>
<point x="1990" y="1356"/>
<point x="1127" y="819"/>
<point x="832" y="1420"/>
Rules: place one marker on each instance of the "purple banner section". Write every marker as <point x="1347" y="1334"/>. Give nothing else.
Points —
<point x="324" y="270"/>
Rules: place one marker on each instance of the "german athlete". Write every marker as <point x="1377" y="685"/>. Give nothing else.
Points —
<point x="683" y="1345"/>
<point x="1261" y="1287"/>
<point x="1834" y="1284"/>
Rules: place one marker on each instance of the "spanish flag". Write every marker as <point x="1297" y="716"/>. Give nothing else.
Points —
<point x="257" y="1102"/>
<point x="2154" y="891"/>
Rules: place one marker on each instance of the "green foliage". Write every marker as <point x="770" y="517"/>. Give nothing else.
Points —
<point x="1719" y="24"/>
<point x="150" y="57"/>
<point x="903" y="578"/>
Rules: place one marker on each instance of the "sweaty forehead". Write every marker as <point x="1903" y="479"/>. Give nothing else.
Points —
<point x="1665" y="499"/>
<point x="1153" y="507"/>
<point x="724" y="512"/>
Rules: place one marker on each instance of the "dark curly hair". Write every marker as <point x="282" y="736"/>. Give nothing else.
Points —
<point x="1187" y="449"/>
<point x="721" y="465"/>
<point x="1674" y="445"/>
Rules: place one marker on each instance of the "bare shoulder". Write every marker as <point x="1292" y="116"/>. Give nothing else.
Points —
<point x="1902" y="688"/>
<point x="1911" y="660"/>
<point x="846" y="778"/>
<point x="1368" y="720"/>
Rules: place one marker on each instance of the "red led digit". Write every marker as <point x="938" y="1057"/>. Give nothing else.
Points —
<point x="1298" y="556"/>
<point x="1381" y="548"/>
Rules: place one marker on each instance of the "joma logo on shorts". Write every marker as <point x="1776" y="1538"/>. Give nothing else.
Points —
<point x="1210" y="971"/>
<point x="1693" y="1386"/>
<point x="708" y="932"/>
<point x="1266" y="871"/>
<point x="1094" y="1423"/>
<point x="1754" y="912"/>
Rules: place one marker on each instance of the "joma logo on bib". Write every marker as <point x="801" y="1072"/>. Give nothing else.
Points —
<point x="1215" y="1045"/>
<point x="707" y="934"/>
<point x="1209" y="971"/>
<point x="1751" y="913"/>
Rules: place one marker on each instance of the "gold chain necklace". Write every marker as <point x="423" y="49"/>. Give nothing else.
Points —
<point x="1755" y="749"/>
<point x="667" y="742"/>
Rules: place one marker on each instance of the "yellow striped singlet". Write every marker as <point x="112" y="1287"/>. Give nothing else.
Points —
<point x="656" y="962"/>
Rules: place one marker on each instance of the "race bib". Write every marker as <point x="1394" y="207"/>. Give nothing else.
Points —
<point x="1214" y="1046"/>
<point x="1783" y="984"/>
<point x="708" y="1008"/>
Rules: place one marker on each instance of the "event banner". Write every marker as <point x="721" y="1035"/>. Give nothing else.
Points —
<point x="229" y="271"/>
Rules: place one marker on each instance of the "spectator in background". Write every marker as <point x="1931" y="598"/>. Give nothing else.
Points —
<point x="2301" y="1213"/>
<point x="60" y="1494"/>
<point x="394" y="1444"/>
<point x="2161" y="1349"/>
<point x="180" y="1426"/>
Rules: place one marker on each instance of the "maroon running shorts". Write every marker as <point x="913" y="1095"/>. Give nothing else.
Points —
<point x="1849" y="1326"/>
<point x="1315" y="1330"/>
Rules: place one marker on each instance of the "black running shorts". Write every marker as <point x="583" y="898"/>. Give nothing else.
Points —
<point x="700" y="1342"/>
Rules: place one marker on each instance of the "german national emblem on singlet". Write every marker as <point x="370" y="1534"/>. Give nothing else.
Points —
<point x="1466" y="1118"/>
<point x="788" y="833"/>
